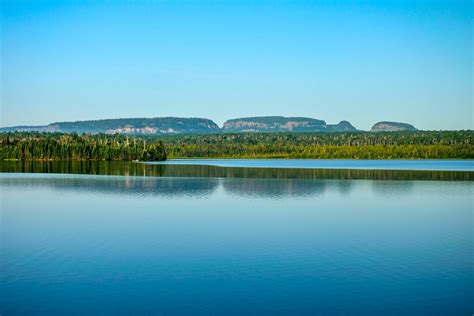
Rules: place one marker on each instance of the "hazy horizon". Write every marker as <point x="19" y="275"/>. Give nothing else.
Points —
<point x="365" y="62"/>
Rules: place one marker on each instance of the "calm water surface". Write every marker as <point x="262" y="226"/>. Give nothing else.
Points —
<point x="88" y="244"/>
<point x="440" y="165"/>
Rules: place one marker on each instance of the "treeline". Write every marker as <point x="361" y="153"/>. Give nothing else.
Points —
<point x="56" y="146"/>
<point x="356" y="145"/>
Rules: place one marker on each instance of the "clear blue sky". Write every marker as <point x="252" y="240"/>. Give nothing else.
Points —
<point x="362" y="61"/>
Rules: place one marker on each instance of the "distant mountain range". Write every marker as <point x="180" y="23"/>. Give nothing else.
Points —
<point x="157" y="125"/>
<point x="177" y="125"/>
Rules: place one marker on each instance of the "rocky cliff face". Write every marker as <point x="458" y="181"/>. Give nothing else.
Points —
<point x="273" y="123"/>
<point x="392" y="127"/>
<point x="283" y="124"/>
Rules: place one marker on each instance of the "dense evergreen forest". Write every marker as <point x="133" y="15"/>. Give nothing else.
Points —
<point x="344" y="145"/>
<point x="348" y="145"/>
<point x="56" y="146"/>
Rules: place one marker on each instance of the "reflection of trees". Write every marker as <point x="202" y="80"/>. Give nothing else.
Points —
<point x="82" y="167"/>
<point x="142" y="169"/>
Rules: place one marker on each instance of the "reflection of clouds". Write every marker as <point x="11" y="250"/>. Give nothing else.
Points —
<point x="145" y="186"/>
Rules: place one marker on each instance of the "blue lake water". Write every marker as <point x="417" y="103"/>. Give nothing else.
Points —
<point x="441" y="165"/>
<point x="88" y="244"/>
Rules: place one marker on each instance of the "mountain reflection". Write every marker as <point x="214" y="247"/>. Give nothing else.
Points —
<point x="176" y="181"/>
<point x="194" y="187"/>
<point x="276" y="188"/>
<point x="392" y="188"/>
<point x="175" y="187"/>
<point x="145" y="186"/>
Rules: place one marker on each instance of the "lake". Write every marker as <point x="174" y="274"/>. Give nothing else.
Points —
<point x="130" y="238"/>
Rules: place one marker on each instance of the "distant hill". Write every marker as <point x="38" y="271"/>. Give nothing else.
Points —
<point x="392" y="127"/>
<point x="283" y="124"/>
<point x="342" y="126"/>
<point x="180" y="125"/>
<point x="158" y="125"/>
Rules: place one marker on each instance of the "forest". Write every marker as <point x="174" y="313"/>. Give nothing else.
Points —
<point x="343" y="145"/>
<point x="56" y="146"/>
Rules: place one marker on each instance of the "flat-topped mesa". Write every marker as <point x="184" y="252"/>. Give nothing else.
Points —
<point x="157" y="125"/>
<point x="392" y="127"/>
<point x="283" y="124"/>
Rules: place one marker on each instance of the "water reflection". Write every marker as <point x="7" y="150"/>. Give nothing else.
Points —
<point x="98" y="245"/>
<point x="277" y="188"/>
<point x="140" y="169"/>
<point x="393" y="188"/>
<point x="175" y="187"/>
<point x="146" y="186"/>
<point x="197" y="187"/>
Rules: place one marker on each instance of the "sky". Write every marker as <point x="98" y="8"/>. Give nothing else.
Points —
<point x="361" y="61"/>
